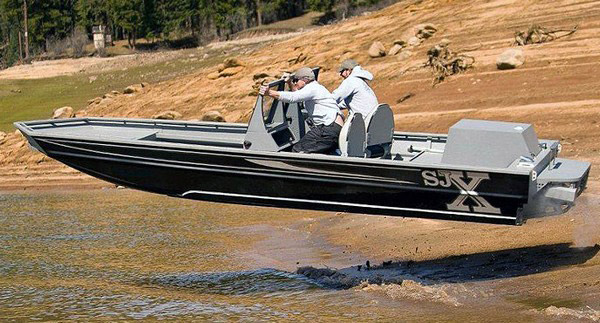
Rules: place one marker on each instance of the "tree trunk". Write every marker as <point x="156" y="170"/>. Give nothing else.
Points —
<point x="134" y="37"/>
<point x="26" y="33"/>
<point x="20" y="49"/>
<point x="258" y="12"/>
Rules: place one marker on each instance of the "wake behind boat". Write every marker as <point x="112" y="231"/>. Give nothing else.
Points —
<point x="482" y="171"/>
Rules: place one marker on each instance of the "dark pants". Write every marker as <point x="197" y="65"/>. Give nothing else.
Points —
<point x="319" y="139"/>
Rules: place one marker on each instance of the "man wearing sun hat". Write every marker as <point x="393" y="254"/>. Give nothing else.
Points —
<point x="322" y="109"/>
<point x="355" y="93"/>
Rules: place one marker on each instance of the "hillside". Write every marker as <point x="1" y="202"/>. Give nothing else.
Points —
<point x="556" y="89"/>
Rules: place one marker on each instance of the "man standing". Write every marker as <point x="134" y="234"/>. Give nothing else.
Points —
<point x="323" y="136"/>
<point x="355" y="93"/>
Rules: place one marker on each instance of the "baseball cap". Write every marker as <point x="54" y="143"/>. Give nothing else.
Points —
<point x="305" y="72"/>
<point x="348" y="64"/>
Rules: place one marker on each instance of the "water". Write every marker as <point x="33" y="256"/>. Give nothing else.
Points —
<point x="122" y="255"/>
<point x="117" y="254"/>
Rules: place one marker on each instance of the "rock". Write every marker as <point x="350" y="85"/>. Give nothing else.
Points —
<point x="213" y="76"/>
<point x="105" y="101"/>
<point x="395" y="50"/>
<point x="144" y="84"/>
<point x="400" y="42"/>
<point x="130" y="89"/>
<point x="231" y="71"/>
<point x="115" y="92"/>
<point x="205" y="56"/>
<point x="108" y="96"/>
<point x="220" y="67"/>
<point x="404" y="54"/>
<point x="167" y="115"/>
<point x="95" y="100"/>
<point x="2" y="137"/>
<point x="510" y="59"/>
<point x="414" y="41"/>
<point x="424" y="31"/>
<point x="377" y="49"/>
<point x="63" y="113"/>
<point x="259" y="76"/>
<point x="92" y="79"/>
<point x="233" y="62"/>
<point x="81" y="114"/>
<point x="214" y="116"/>
<point x="445" y="42"/>
<point x="18" y="133"/>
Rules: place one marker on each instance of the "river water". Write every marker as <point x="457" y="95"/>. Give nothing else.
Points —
<point x="122" y="254"/>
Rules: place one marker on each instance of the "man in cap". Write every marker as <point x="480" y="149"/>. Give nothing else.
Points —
<point x="322" y="109"/>
<point x="355" y="93"/>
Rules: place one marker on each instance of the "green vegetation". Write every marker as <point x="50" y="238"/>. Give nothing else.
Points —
<point x="37" y="98"/>
<point x="58" y="28"/>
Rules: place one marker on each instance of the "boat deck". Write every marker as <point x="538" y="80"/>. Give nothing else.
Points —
<point x="416" y="148"/>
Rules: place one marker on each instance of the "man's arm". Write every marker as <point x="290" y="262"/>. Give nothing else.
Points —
<point x="287" y="96"/>
<point x="343" y="91"/>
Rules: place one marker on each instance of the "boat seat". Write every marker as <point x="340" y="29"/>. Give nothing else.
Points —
<point x="352" y="137"/>
<point x="380" y="131"/>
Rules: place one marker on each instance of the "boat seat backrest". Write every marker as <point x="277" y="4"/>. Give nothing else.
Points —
<point x="380" y="127"/>
<point x="352" y="139"/>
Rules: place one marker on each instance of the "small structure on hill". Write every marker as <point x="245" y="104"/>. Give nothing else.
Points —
<point x="102" y="37"/>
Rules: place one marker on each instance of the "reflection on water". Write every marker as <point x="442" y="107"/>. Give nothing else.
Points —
<point x="120" y="254"/>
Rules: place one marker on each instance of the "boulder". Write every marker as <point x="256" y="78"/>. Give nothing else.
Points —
<point x="131" y="89"/>
<point x="214" y="116"/>
<point x="63" y="113"/>
<point x="95" y="101"/>
<point x="231" y="71"/>
<point x="445" y="42"/>
<point x="424" y="31"/>
<point x="81" y="114"/>
<point x="414" y="41"/>
<point x="233" y="62"/>
<point x="377" y="49"/>
<point x="405" y="54"/>
<point x="400" y="42"/>
<point x="395" y="50"/>
<point x="213" y="76"/>
<point x="167" y="115"/>
<point x="510" y="59"/>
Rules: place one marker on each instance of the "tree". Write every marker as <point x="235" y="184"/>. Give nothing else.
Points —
<point x="128" y="14"/>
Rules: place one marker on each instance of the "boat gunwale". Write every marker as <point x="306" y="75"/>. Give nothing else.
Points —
<point x="24" y="127"/>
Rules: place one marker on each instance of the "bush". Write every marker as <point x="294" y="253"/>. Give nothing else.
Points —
<point x="71" y="46"/>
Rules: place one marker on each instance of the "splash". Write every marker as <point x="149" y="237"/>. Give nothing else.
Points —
<point x="410" y="289"/>
<point x="588" y="314"/>
<point x="587" y="228"/>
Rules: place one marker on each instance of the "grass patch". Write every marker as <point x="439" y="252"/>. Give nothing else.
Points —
<point x="22" y="100"/>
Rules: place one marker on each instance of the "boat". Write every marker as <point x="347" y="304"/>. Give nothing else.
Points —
<point x="481" y="171"/>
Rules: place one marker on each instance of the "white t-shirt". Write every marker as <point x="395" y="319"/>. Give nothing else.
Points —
<point x="354" y="92"/>
<point x="317" y="101"/>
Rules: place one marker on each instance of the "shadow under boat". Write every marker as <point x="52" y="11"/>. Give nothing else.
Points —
<point x="492" y="265"/>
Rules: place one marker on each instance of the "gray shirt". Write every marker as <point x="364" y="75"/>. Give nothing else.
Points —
<point x="319" y="103"/>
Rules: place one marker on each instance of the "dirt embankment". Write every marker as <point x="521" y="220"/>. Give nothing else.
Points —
<point x="556" y="89"/>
